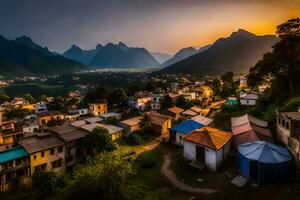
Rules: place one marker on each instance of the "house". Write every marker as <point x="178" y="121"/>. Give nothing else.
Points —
<point x="71" y="136"/>
<point x="91" y="120"/>
<point x="207" y="145"/>
<point x="179" y="131"/>
<point x="47" y="152"/>
<point x="40" y="108"/>
<point x="45" y="117"/>
<point x="248" y="99"/>
<point x="72" y="117"/>
<point x="156" y="100"/>
<point x="130" y="125"/>
<point x="97" y="109"/>
<point x="81" y="112"/>
<point x="173" y="112"/>
<point x="232" y="101"/>
<point x="30" y="124"/>
<point x="196" y="109"/>
<point x="202" y="120"/>
<point x="288" y="131"/>
<point x="14" y="163"/>
<point x="115" y="131"/>
<point x="246" y="129"/>
<point x="111" y="115"/>
<point x="189" y="113"/>
<point x="140" y="100"/>
<point x="160" y="123"/>
<point x="11" y="133"/>
<point x="174" y="96"/>
<point x="189" y="96"/>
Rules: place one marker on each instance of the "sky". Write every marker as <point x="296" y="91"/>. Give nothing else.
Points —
<point x="158" y="25"/>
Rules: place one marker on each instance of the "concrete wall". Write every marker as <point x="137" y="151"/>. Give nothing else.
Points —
<point x="248" y="102"/>
<point x="189" y="150"/>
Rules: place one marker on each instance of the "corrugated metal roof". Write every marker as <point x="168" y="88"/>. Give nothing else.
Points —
<point x="13" y="154"/>
<point x="187" y="126"/>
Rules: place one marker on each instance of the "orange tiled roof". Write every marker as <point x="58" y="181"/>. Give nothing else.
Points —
<point x="176" y="110"/>
<point x="209" y="137"/>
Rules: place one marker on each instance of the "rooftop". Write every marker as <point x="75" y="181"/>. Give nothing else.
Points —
<point x="209" y="137"/>
<point x="39" y="142"/>
<point x="176" y="110"/>
<point x="132" y="121"/>
<point x="69" y="133"/>
<point x="12" y="154"/>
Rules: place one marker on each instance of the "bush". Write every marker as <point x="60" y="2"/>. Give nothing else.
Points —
<point x="147" y="160"/>
<point x="134" y="138"/>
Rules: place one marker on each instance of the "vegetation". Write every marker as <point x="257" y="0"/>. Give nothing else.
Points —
<point x="99" y="140"/>
<point x="167" y="102"/>
<point x="17" y="113"/>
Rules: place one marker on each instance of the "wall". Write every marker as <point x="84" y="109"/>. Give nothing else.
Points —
<point x="248" y="102"/>
<point x="189" y="150"/>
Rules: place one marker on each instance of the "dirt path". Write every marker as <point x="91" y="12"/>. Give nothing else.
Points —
<point x="165" y="170"/>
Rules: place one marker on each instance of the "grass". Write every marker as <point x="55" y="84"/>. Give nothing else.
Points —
<point x="149" y="183"/>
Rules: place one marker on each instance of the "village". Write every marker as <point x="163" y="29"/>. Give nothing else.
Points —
<point x="177" y="119"/>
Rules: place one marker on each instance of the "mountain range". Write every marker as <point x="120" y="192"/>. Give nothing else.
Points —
<point x="24" y="57"/>
<point x="161" y="57"/>
<point x="236" y="53"/>
<point x="112" y="55"/>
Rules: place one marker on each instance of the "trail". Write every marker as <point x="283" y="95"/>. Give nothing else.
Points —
<point x="165" y="170"/>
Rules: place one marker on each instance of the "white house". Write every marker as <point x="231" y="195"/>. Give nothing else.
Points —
<point x="140" y="100"/>
<point x="248" y="99"/>
<point x="208" y="146"/>
<point x="156" y="100"/>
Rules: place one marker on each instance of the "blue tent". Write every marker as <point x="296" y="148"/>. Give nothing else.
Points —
<point x="187" y="126"/>
<point x="232" y="102"/>
<point x="264" y="162"/>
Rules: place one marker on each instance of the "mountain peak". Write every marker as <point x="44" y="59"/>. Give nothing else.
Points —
<point x="74" y="46"/>
<point x="242" y="32"/>
<point x="99" y="46"/>
<point x="24" y="38"/>
<point x="121" y="44"/>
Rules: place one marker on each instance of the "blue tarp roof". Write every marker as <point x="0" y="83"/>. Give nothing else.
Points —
<point x="12" y="154"/>
<point x="264" y="152"/>
<point x="187" y="126"/>
<point x="232" y="102"/>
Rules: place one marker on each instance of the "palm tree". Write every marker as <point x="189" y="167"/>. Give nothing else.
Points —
<point x="145" y="122"/>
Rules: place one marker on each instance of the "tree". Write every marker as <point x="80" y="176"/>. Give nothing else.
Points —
<point x="117" y="96"/>
<point x="44" y="183"/>
<point x="167" y="102"/>
<point x="283" y="63"/>
<point x="105" y="177"/>
<point x="217" y="87"/>
<point x="97" y="95"/>
<point x="16" y="113"/>
<point x="145" y="122"/>
<point x="28" y="97"/>
<point x="58" y="104"/>
<point x="99" y="140"/>
<point x="3" y="97"/>
<point x="182" y="102"/>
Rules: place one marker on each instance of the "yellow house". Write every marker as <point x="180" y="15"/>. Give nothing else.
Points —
<point x="28" y="106"/>
<point x="97" y="109"/>
<point x="160" y="123"/>
<point x="44" y="118"/>
<point x="11" y="133"/>
<point x="47" y="152"/>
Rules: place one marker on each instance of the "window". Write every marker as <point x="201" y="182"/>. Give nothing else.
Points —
<point x="69" y="151"/>
<point x="34" y="157"/>
<point x="56" y="164"/>
<point x="51" y="151"/>
<point x="60" y="149"/>
<point x="18" y="161"/>
<point x="99" y="107"/>
<point x="42" y="154"/>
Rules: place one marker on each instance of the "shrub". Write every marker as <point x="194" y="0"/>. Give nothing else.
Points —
<point x="147" y="160"/>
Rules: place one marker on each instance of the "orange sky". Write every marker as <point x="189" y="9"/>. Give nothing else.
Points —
<point x="158" y="25"/>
